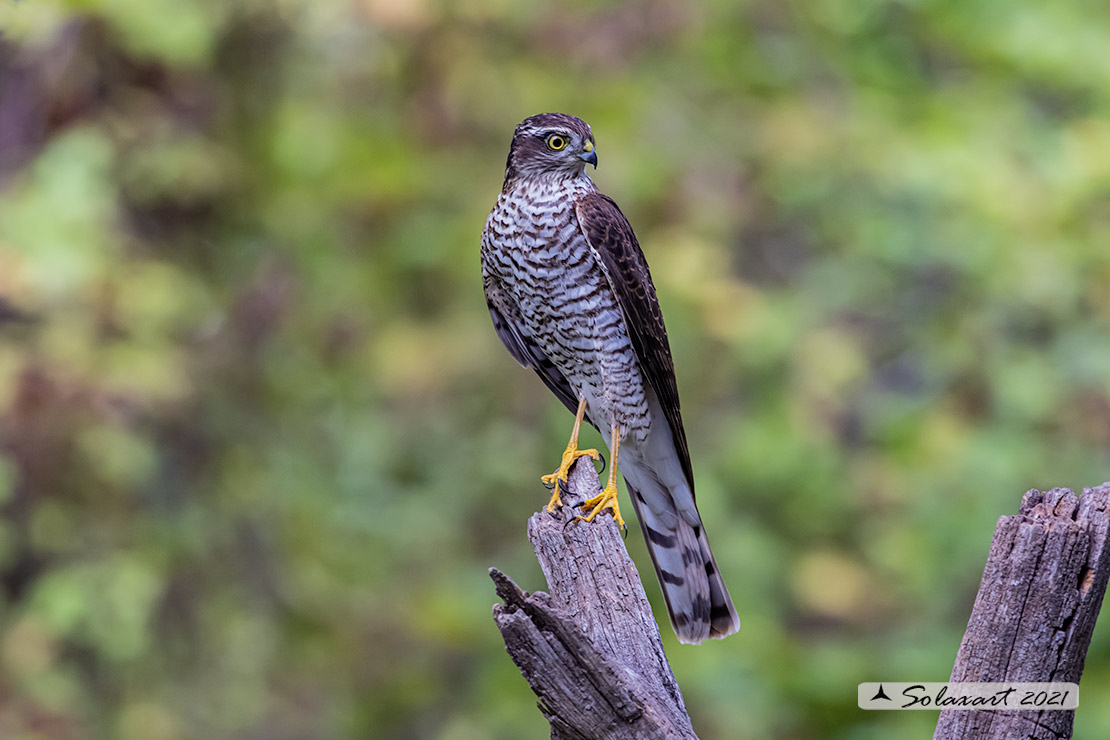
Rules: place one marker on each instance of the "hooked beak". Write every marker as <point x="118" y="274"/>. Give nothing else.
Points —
<point x="588" y="154"/>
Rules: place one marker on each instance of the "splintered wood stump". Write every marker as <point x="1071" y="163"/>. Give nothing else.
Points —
<point x="590" y="647"/>
<point x="1036" y="609"/>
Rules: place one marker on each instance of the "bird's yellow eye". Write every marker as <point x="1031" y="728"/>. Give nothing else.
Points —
<point x="556" y="143"/>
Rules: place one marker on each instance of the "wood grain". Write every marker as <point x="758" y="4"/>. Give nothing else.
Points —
<point x="1036" y="608"/>
<point x="589" y="647"/>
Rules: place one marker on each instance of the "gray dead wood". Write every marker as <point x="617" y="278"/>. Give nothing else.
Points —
<point x="590" y="647"/>
<point x="1036" y="609"/>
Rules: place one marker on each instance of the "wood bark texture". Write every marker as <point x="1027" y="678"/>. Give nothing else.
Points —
<point x="1036" y="609"/>
<point x="589" y="647"/>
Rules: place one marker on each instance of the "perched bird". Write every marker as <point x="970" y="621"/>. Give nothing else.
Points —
<point x="571" y="297"/>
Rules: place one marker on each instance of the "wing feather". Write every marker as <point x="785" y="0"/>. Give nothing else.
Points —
<point x="611" y="237"/>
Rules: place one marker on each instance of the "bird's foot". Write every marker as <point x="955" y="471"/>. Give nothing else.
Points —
<point x="557" y="481"/>
<point x="607" y="499"/>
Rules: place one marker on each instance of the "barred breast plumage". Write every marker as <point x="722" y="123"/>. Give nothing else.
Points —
<point x="534" y="245"/>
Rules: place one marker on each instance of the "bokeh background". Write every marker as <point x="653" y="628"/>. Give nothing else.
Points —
<point x="260" y="442"/>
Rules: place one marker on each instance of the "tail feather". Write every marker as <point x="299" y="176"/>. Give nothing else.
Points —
<point x="697" y="601"/>
<point x="723" y="619"/>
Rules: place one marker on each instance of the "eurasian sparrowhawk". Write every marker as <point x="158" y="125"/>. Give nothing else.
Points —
<point x="571" y="297"/>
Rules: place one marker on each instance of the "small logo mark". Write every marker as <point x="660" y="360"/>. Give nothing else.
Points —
<point x="880" y="694"/>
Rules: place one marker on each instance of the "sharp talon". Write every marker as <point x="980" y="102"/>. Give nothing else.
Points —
<point x="558" y="479"/>
<point x="602" y="458"/>
<point x="607" y="499"/>
<point x="557" y="482"/>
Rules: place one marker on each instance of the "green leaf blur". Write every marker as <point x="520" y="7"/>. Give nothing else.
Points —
<point x="259" y="442"/>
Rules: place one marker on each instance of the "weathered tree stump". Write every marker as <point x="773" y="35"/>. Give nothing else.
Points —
<point x="1036" y="609"/>
<point x="590" y="647"/>
<point x="591" y="651"/>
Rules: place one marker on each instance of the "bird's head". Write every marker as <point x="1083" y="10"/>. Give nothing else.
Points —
<point x="550" y="144"/>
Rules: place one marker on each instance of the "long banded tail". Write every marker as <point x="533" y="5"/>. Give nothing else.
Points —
<point x="697" y="600"/>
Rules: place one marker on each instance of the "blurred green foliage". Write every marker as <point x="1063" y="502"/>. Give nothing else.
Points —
<point x="260" y="442"/>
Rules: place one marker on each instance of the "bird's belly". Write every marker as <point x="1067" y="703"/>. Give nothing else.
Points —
<point x="574" y="316"/>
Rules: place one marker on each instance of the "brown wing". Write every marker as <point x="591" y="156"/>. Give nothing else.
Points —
<point x="611" y="237"/>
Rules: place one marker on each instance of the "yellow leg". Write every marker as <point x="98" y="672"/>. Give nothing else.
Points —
<point x="570" y="454"/>
<point x="607" y="499"/>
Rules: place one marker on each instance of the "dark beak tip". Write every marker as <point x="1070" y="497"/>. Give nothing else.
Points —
<point x="590" y="158"/>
